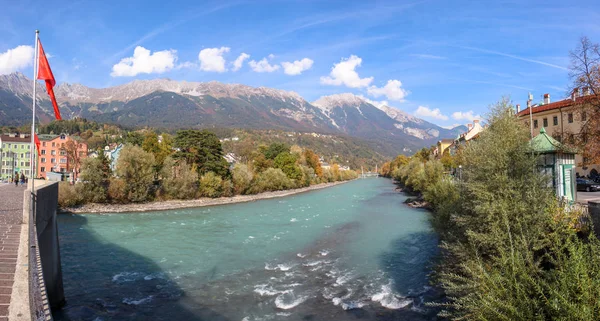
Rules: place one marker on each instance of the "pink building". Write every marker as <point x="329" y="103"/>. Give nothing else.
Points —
<point x="54" y="155"/>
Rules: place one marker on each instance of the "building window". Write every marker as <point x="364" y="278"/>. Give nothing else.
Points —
<point x="63" y="160"/>
<point x="42" y="169"/>
<point x="570" y="117"/>
<point x="545" y="122"/>
<point x="42" y="160"/>
<point x="535" y="123"/>
<point x="26" y="164"/>
<point x="555" y="120"/>
<point x="571" y="138"/>
<point x="22" y="164"/>
<point x="53" y="144"/>
<point x="21" y="155"/>
<point x="63" y="153"/>
<point x="52" y="152"/>
<point x="52" y="160"/>
<point x="43" y="152"/>
<point x="44" y="144"/>
<point x="583" y="116"/>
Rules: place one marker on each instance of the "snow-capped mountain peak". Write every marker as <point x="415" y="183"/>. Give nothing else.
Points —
<point x="337" y="100"/>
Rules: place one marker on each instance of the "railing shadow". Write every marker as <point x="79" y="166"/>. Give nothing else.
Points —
<point x="140" y="290"/>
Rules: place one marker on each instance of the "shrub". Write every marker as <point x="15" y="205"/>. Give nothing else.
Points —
<point x="94" y="186"/>
<point x="210" y="185"/>
<point x="242" y="177"/>
<point x="272" y="179"/>
<point x="68" y="195"/>
<point x="136" y="168"/>
<point x="179" y="180"/>
<point x="226" y="188"/>
<point x="117" y="190"/>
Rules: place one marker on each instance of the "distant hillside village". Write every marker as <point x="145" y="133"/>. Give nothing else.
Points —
<point x="60" y="156"/>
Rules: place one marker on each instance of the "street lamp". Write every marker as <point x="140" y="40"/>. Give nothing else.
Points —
<point x="460" y="173"/>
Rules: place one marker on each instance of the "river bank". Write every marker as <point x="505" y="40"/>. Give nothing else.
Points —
<point x="177" y="204"/>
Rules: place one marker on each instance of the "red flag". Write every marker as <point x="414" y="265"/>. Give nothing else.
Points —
<point x="45" y="73"/>
<point x="37" y="143"/>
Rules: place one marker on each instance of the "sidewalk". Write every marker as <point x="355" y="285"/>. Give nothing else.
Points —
<point x="11" y="218"/>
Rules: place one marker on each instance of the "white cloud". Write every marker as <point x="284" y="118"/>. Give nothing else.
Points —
<point x="187" y="65"/>
<point x="469" y="115"/>
<point x="376" y="103"/>
<point x="343" y="73"/>
<point x="423" y="111"/>
<point x="16" y="59"/>
<point x="237" y="64"/>
<point x="263" y="65"/>
<point x="297" y="67"/>
<point x="211" y="59"/>
<point x="143" y="62"/>
<point x="391" y="90"/>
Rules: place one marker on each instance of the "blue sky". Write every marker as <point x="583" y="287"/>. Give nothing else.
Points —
<point x="445" y="61"/>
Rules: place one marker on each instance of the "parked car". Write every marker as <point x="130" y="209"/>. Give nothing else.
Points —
<point x="587" y="185"/>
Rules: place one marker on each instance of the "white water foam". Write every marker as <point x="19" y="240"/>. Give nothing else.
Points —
<point x="341" y="280"/>
<point x="324" y="252"/>
<point x="130" y="301"/>
<point x="389" y="300"/>
<point x="289" y="300"/>
<point x="126" y="277"/>
<point x="312" y="263"/>
<point x="267" y="290"/>
<point x="353" y="305"/>
<point x="280" y="267"/>
<point x="293" y="219"/>
<point x="300" y="255"/>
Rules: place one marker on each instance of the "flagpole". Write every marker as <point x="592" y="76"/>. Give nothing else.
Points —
<point x="32" y="150"/>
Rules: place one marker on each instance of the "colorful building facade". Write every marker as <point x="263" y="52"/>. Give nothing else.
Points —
<point x="562" y="120"/>
<point x="14" y="155"/>
<point x="55" y="157"/>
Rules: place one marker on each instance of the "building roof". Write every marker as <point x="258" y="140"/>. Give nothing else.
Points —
<point x="15" y="139"/>
<point x="46" y="136"/>
<point x="545" y="144"/>
<point x="556" y="105"/>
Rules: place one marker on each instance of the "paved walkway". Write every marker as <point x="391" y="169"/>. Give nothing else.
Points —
<point x="11" y="218"/>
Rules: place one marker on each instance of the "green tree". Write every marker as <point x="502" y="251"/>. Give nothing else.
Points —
<point x="179" y="180"/>
<point x="211" y="185"/>
<point x="136" y="168"/>
<point x="94" y="179"/>
<point x="286" y="161"/>
<point x="242" y="177"/>
<point x="275" y="149"/>
<point x="203" y="149"/>
<point x="134" y="138"/>
<point x="312" y="160"/>
<point x="272" y="179"/>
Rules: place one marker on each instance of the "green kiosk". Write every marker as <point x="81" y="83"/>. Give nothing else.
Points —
<point x="558" y="162"/>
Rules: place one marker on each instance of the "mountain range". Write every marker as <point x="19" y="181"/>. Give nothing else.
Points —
<point x="169" y="104"/>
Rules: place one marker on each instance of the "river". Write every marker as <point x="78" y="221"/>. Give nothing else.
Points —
<point x="349" y="252"/>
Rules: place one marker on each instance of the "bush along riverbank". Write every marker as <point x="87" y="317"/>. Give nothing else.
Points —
<point x="193" y="167"/>
<point x="510" y="250"/>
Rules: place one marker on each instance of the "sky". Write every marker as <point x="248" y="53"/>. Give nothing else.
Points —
<point x="443" y="61"/>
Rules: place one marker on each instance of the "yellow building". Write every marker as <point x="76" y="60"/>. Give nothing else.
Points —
<point x="441" y="147"/>
<point x="562" y="120"/>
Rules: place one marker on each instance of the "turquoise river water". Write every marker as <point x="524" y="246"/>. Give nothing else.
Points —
<point x="349" y="252"/>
